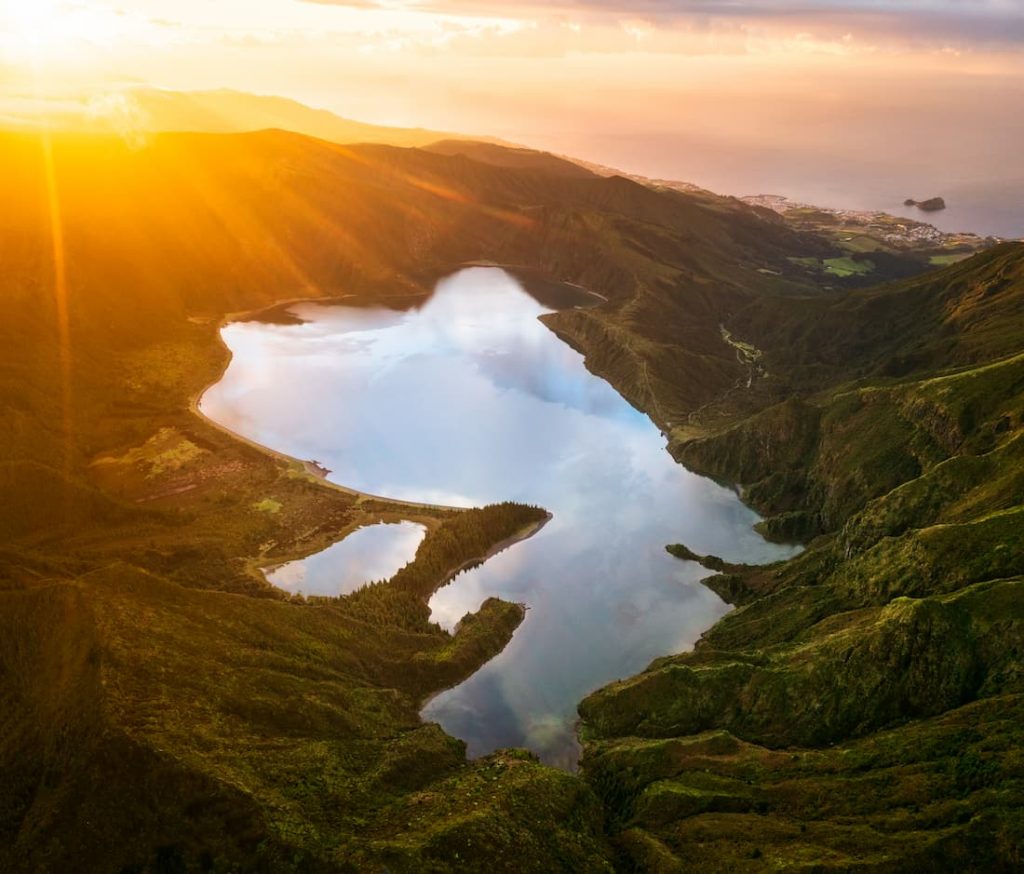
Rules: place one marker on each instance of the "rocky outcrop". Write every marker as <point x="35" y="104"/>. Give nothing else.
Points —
<point x="932" y="204"/>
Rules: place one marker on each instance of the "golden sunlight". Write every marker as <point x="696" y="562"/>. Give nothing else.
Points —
<point x="45" y="32"/>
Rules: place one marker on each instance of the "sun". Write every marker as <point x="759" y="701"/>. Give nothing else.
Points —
<point x="43" y="32"/>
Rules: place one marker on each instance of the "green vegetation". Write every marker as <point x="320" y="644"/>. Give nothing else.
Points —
<point x="711" y="562"/>
<point x="848" y="266"/>
<point x="862" y="244"/>
<point x="509" y="156"/>
<point x="946" y="260"/>
<point x="898" y="247"/>
<point x="148" y="673"/>
<point x="843" y="266"/>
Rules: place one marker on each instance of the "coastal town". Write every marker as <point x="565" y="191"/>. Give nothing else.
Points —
<point x="893" y="231"/>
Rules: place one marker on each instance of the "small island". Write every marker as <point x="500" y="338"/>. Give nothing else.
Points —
<point x="933" y="204"/>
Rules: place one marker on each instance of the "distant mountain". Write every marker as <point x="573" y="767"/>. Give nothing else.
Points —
<point x="151" y="110"/>
<point x="227" y="111"/>
<point x="230" y="111"/>
<point x="140" y="111"/>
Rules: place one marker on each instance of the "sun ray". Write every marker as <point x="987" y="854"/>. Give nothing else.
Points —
<point x="60" y="295"/>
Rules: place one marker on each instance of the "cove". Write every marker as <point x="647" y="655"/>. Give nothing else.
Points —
<point x="467" y="400"/>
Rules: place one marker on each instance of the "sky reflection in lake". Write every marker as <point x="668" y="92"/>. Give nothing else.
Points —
<point x="374" y="552"/>
<point x="469" y="400"/>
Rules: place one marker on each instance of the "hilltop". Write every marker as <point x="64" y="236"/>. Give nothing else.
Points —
<point x="511" y="156"/>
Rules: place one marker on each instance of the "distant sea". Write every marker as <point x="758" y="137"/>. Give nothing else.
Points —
<point x="984" y="194"/>
<point x="983" y="207"/>
<point x="979" y="208"/>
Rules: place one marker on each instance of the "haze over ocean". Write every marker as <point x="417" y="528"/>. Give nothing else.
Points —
<point x="986" y="199"/>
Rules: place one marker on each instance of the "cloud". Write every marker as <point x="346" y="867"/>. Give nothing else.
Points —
<point x="915" y="23"/>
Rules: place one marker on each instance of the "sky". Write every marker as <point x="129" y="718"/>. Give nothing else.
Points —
<point x="738" y="95"/>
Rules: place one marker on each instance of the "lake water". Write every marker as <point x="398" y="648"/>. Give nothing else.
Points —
<point x="373" y="552"/>
<point x="470" y="399"/>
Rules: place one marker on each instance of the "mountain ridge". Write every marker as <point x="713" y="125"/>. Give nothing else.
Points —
<point x="140" y="111"/>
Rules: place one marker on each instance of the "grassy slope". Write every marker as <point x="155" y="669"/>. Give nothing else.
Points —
<point x="862" y="708"/>
<point x="879" y="386"/>
<point x="149" y="674"/>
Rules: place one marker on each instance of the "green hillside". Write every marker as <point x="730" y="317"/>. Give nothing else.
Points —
<point x="862" y="707"/>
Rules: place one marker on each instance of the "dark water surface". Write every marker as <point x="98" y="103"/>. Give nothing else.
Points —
<point x="470" y="400"/>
